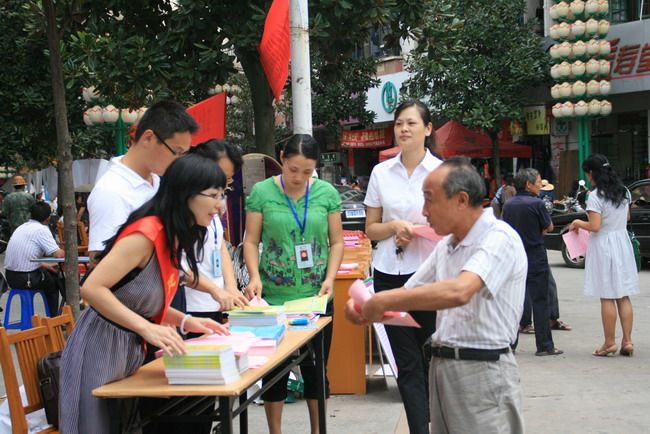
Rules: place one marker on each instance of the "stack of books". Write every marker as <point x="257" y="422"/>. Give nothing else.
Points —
<point x="204" y="363"/>
<point x="257" y="316"/>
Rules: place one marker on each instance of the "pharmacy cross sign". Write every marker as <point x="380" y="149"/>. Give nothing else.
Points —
<point x="389" y="97"/>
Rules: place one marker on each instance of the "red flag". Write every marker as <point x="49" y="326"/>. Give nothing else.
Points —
<point x="210" y="114"/>
<point x="275" y="48"/>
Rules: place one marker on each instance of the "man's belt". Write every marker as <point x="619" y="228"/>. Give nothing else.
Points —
<point x="468" y="353"/>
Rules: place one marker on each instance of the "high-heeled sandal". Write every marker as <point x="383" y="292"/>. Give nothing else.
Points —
<point x="604" y="352"/>
<point x="627" y="349"/>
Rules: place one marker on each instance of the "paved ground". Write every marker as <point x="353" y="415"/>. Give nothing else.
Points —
<point x="571" y="393"/>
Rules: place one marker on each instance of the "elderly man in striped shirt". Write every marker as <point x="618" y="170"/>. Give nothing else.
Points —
<point x="475" y="278"/>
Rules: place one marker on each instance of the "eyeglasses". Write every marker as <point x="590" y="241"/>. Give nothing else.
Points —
<point x="216" y="196"/>
<point x="174" y="153"/>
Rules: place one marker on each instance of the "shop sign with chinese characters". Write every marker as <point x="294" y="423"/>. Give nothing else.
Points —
<point x="630" y="57"/>
<point x="536" y="120"/>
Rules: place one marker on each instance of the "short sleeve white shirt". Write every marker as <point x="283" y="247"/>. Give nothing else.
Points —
<point x="29" y="241"/>
<point x="118" y="193"/>
<point x="493" y="251"/>
<point x="400" y="198"/>
<point x="198" y="301"/>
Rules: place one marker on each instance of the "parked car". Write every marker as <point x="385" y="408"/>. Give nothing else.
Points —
<point x="353" y="211"/>
<point x="639" y="224"/>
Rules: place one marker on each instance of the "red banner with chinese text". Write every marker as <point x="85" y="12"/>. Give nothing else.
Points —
<point x="375" y="138"/>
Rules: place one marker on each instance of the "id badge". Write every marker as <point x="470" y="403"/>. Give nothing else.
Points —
<point x="304" y="256"/>
<point x="216" y="263"/>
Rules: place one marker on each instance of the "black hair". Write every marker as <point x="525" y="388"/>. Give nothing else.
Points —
<point x="605" y="178"/>
<point x="215" y="149"/>
<point x="509" y="178"/>
<point x="301" y="144"/>
<point x="425" y="115"/>
<point x="463" y="176"/>
<point x="184" y="179"/>
<point x="40" y="211"/>
<point x="166" y="118"/>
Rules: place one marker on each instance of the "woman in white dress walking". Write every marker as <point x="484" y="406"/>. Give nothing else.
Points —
<point x="610" y="269"/>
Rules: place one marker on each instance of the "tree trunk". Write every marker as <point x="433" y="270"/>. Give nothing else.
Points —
<point x="64" y="142"/>
<point x="494" y="135"/>
<point x="262" y="98"/>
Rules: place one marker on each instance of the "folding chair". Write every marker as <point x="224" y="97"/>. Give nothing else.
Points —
<point x="30" y="346"/>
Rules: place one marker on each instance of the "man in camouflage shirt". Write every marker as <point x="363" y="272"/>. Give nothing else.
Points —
<point x="16" y="205"/>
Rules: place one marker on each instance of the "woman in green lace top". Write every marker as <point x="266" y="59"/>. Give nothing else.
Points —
<point x="298" y="221"/>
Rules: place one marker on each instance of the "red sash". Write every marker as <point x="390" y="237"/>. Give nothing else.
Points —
<point x="152" y="228"/>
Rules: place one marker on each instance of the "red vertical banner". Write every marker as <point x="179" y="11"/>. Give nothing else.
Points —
<point x="210" y="114"/>
<point x="275" y="47"/>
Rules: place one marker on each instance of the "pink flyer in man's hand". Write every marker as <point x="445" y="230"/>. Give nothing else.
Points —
<point x="576" y="243"/>
<point x="426" y="232"/>
<point x="360" y="294"/>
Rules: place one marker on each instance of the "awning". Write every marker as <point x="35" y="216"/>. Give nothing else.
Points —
<point x="453" y="138"/>
<point x="375" y="138"/>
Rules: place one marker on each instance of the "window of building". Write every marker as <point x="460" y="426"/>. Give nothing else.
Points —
<point x="622" y="11"/>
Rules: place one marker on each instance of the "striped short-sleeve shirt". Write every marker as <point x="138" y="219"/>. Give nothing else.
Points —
<point x="29" y="241"/>
<point x="493" y="251"/>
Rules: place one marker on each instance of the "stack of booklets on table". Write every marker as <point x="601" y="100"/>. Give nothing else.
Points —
<point x="257" y="316"/>
<point x="241" y="345"/>
<point x="204" y="363"/>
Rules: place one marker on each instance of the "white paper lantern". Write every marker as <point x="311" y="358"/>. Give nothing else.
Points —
<point x="605" y="108"/>
<point x="555" y="71"/>
<point x="557" y="110"/>
<point x="581" y="108"/>
<point x="565" y="49"/>
<point x="565" y="69"/>
<point x="591" y="26"/>
<point x="577" y="68"/>
<point x="603" y="27"/>
<point x="87" y="120"/>
<point x="578" y="88"/>
<point x="603" y="7"/>
<point x="591" y="7"/>
<point x="110" y="113"/>
<point x="565" y="90"/>
<point x="555" y="51"/>
<point x="604" y="47"/>
<point x="605" y="87"/>
<point x="577" y="7"/>
<point x="593" y="87"/>
<point x="234" y="99"/>
<point x="593" y="48"/>
<point x="579" y="49"/>
<point x="95" y="114"/>
<point x="592" y="67"/>
<point x="567" y="109"/>
<point x="555" y="91"/>
<point x="594" y="107"/>
<point x="578" y="29"/>
<point x="553" y="33"/>
<point x="564" y="30"/>
<point x="218" y="89"/>
<point x="562" y="9"/>
<point x="226" y="87"/>
<point x="552" y="12"/>
<point x="130" y="116"/>
<point x="604" y="67"/>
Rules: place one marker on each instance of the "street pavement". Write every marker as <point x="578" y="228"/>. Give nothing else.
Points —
<point x="571" y="393"/>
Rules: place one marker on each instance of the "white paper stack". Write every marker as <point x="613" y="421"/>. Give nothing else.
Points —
<point x="203" y="364"/>
<point x="257" y="316"/>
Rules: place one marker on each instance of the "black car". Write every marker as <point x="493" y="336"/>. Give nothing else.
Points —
<point x="353" y="211"/>
<point x="639" y="224"/>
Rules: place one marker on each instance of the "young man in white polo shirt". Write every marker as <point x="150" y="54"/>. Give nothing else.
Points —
<point x="29" y="241"/>
<point x="475" y="278"/>
<point x="163" y="134"/>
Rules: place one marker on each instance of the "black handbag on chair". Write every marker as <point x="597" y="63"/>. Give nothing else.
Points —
<point x="48" y="380"/>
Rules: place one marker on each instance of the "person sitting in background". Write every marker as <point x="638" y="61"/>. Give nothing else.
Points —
<point x="29" y="241"/>
<point x="17" y="205"/>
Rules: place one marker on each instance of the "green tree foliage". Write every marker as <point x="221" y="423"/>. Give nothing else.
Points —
<point x="475" y="61"/>
<point x="27" y="132"/>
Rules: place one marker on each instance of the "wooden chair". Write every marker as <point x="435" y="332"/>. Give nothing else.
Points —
<point x="30" y="346"/>
<point x="59" y="328"/>
<point x="82" y="237"/>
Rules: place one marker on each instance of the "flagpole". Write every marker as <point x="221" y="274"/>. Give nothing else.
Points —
<point x="300" y="67"/>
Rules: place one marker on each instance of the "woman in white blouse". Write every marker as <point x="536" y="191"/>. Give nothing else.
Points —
<point x="394" y="203"/>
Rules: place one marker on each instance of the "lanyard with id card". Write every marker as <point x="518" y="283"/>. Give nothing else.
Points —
<point x="216" y="254"/>
<point x="304" y="254"/>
